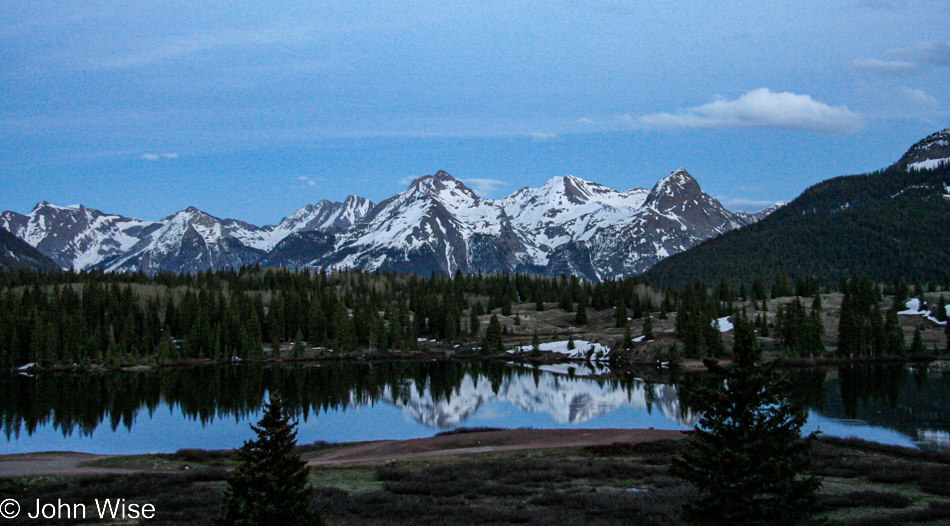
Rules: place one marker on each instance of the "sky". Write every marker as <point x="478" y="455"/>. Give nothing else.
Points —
<point x="251" y="110"/>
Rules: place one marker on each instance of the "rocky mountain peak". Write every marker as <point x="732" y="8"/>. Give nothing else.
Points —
<point x="441" y="187"/>
<point x="673" y="190"/>
<point x="930" y="152"/>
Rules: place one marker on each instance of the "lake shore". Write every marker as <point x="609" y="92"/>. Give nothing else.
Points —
<point x="531" y="476"/>
<point x="73" y="463"/>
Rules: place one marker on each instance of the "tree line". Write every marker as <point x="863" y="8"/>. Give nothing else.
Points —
<point x="92" y="317"/>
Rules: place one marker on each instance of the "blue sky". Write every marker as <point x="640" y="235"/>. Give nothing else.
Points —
<point x="250" y="110"/>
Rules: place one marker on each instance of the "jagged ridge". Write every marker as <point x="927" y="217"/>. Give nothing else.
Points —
<point x="436" y="225"/>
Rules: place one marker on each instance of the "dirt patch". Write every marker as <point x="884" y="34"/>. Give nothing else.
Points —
<point x="54" y="463"/>
<point x="486" y="442"/>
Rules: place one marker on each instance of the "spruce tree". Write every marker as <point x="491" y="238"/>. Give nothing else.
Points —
<point x="747" y="458"/>
<point x="269" y="486"/>
<point x="580" y="319"/>
<point x="917" y="348"/>
<point x="620" y="314"/>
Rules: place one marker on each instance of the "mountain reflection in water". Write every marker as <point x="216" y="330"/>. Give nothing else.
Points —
<point x="210" y="407"/>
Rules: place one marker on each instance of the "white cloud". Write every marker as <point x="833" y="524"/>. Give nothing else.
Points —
<point x="157" y="156"/>
<point x="175" y="48"/>
<point x="933" y="53"/>
<point x="543" y="137"/>
<point x="920" y="97"/>
<point x="484" y="187"/>
<point x="760" y="108"/>
<point x="307" y="182"/>
<point x="882" y="67"/>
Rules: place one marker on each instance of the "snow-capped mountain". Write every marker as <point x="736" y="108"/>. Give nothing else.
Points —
<point x="752" y="217"/>
<point x="189" y="241"/>
<point x="675" y="215"/>
<point x="427" y="227"/>
<point x="567" y="209"/>
<point x="75" y="236"/>
<point x="324" y="216"/>
<point x="437" y="224"/>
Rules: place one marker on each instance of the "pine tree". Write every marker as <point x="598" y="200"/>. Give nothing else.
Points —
<point x="580" y="319"/>
<point x="493" y="340"/>
<point x="473" y="324"/>
<point x="747" y="457"/>
<point x="917" y="347"/>
<point x="620" y="314"/>
<point x="648" y="328"/>
<point x="270" y="485"/>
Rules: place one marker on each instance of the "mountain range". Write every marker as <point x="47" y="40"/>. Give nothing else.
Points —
<point x="567" y="226"/>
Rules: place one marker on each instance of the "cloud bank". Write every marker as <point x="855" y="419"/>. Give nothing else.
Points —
<point x="158" y="157"/>
<point x="760" y="108"/>
<point x="885" y="67"/>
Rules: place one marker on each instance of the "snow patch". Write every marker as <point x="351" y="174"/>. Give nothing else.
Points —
<point x="914" y="309"/>
<point x="724" y="324"/>
<point x="928" y="164"/>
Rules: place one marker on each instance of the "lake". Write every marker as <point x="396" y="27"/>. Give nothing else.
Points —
<point x="211" y="407"/>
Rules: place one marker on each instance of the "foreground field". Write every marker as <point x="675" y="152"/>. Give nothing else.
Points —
<point x="501" y="477"/>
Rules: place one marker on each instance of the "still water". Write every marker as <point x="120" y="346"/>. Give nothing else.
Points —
<point x="211" y="407"/>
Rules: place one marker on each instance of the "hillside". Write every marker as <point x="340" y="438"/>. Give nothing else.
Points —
<point x="895" y="222"/>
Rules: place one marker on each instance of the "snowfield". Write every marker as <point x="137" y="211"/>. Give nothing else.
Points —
<point x="913" y="309"/>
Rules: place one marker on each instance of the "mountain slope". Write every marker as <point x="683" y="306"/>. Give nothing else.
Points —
<point x="426" y="228"/>
<point x="675" y="215"/>
<point x="189" y="241"/>
<point x="324" y="216"/>
<point x="879" y="225"/>
<point x="17" y="254"/>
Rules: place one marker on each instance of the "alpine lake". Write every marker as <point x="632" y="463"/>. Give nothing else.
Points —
<point x="212" y="407"/>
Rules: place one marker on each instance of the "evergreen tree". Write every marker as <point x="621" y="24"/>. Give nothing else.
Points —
<point x="917" y="346"/>
<point x="473" y="323"/>
<point x="269" y="486"/>
<point x="620" y="314"/>
<point x="535" y="344"/>
<point x="580" y="319"/>
<point x="747" y="457"/>
<point x="493" y="340"/>
<point x="298" y="347"/>
<point x="648" y="328"/>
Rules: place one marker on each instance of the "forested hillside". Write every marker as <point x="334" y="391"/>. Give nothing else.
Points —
<point x="893" y="223"/>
